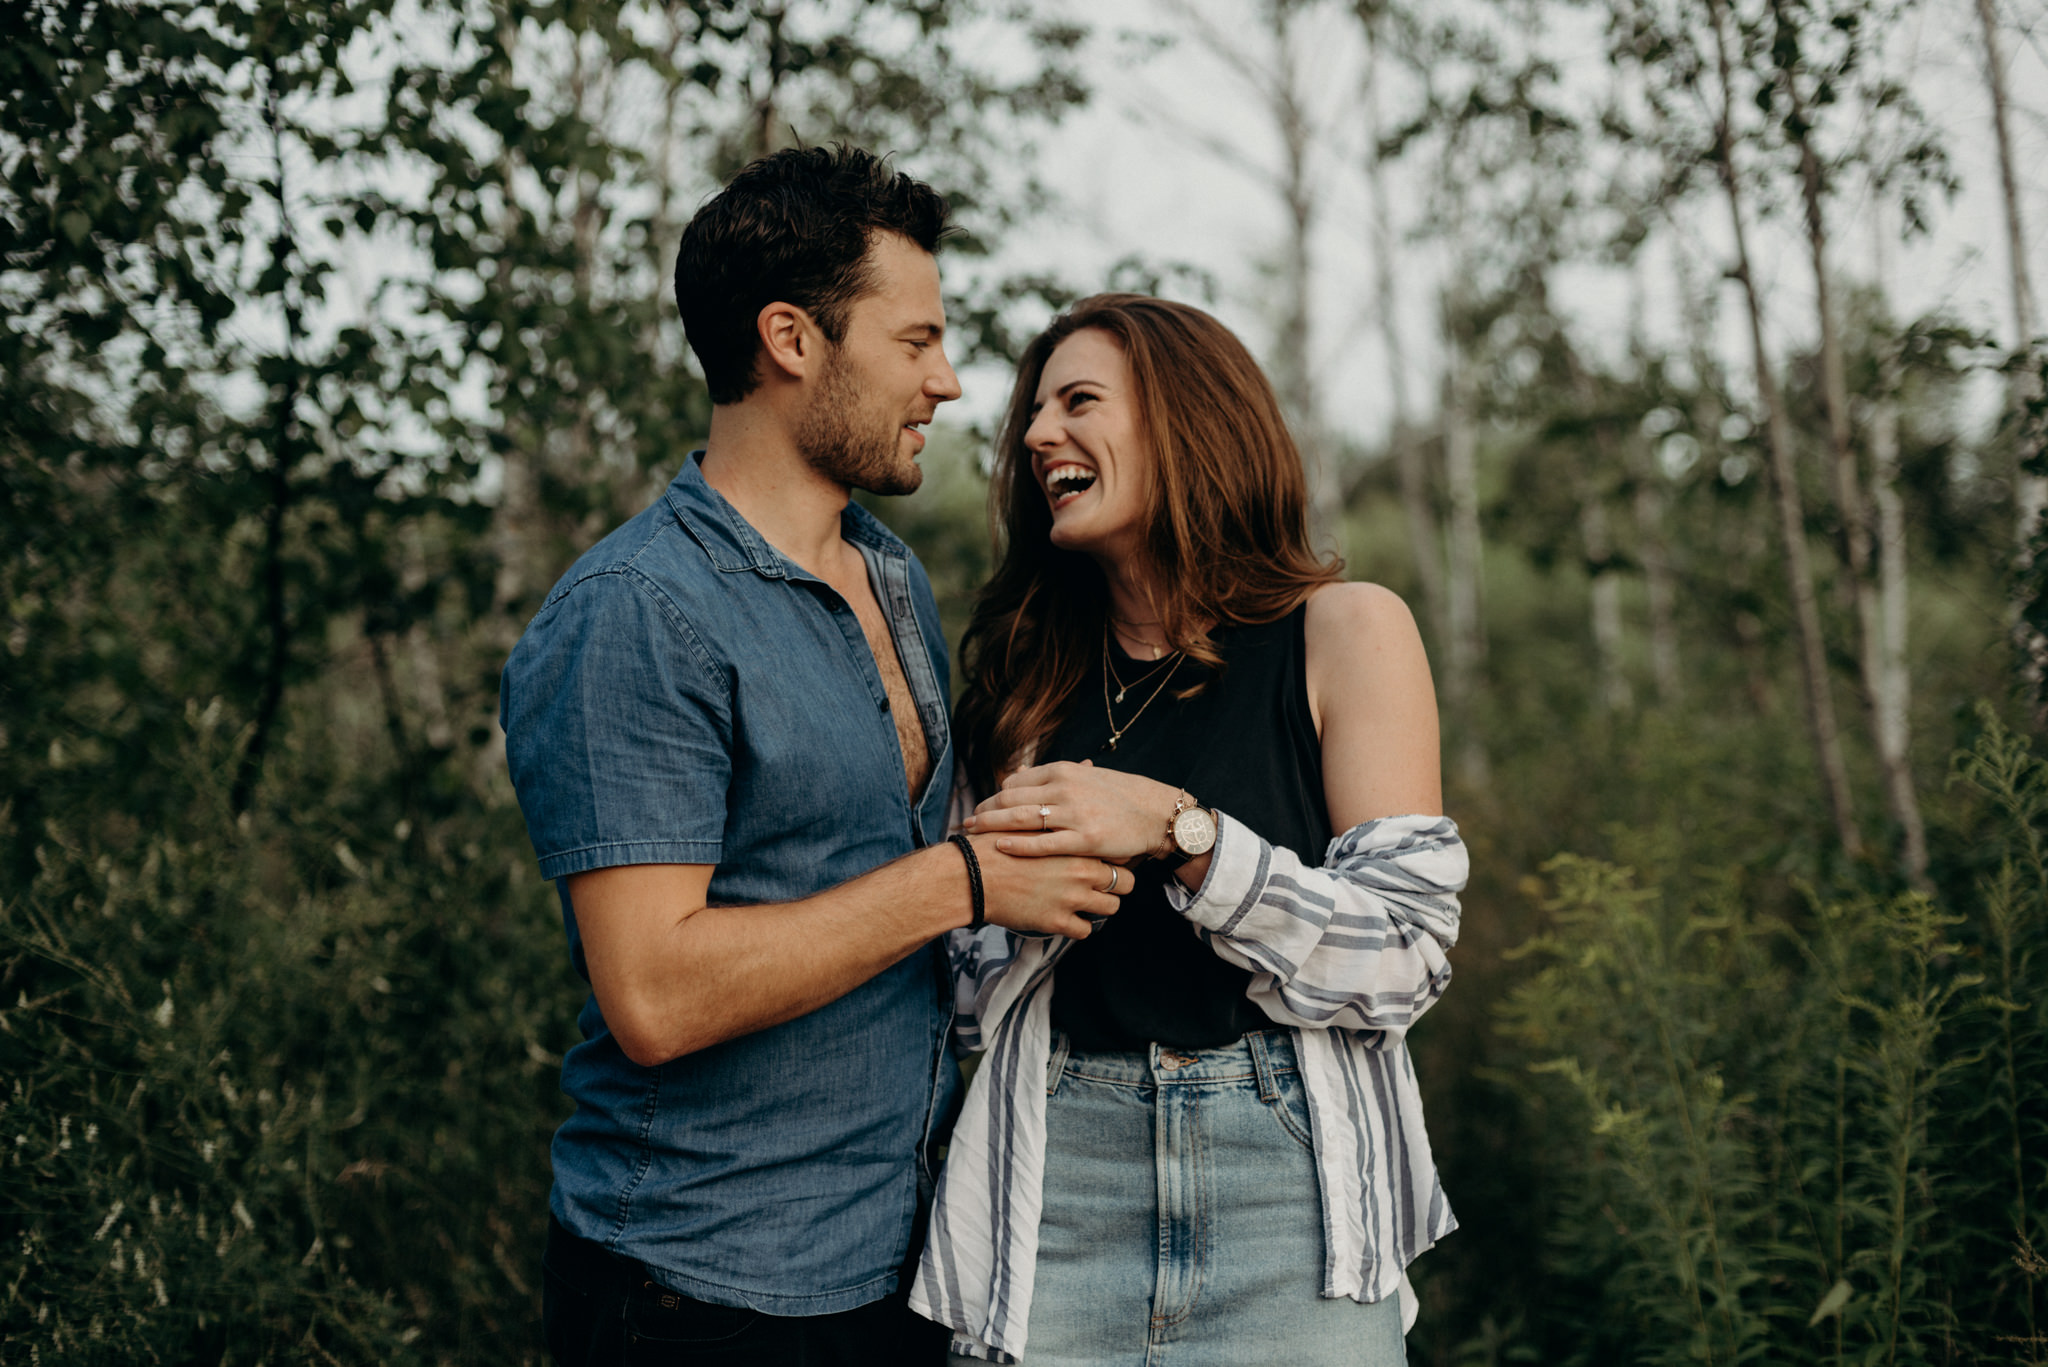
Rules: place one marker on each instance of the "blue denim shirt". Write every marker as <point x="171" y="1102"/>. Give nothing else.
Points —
<point x="688" y="695"/>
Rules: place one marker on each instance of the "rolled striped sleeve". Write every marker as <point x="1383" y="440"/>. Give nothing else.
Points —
<point x="1360" y="943"/>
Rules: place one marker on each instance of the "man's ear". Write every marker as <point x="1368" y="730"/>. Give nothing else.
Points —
<point x="790" y="340"/>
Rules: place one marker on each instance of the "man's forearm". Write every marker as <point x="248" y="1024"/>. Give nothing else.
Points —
<point x="673" y="975"/>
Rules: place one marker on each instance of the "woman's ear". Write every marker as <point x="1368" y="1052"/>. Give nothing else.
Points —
<point x="790" y="340"/>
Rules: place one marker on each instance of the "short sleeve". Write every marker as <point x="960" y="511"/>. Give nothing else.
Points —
<point x="618" y="730"/>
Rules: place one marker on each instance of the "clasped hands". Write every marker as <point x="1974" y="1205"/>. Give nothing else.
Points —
<point x="1104" y="813"/>
<point x="1053" y="821"/>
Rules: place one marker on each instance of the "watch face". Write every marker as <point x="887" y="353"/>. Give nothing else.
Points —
<point x="1194" y="830"/>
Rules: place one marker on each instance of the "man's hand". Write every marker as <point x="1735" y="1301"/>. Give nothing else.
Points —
<point x="1048" y="896"/>
<point x="673" y="975"/>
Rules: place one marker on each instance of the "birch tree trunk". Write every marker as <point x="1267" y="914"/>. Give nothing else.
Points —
<point x="287" y="444"/>
<point x="1595" y="538"/>
<point x="1660" y="590"/>
<point x="2030" y="489"/>
<point x="1462" y="581"/>
<point x="1879" y="684"/>
<point x="1640" y="469"/>
<point x="2008" y="179"/>
<point x="1892" y="702"/>
<point x="1604" y="591"/>
<point x="1424" y="541"/>
<point x="515" y="518"/>
<point x="1292" y="351"/>
<point x="1891" y="695"/>
<point x="766" y="131"/>
<point x="1820" y="707"/>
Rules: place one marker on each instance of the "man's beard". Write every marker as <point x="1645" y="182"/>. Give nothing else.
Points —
<point x="843" y="442"/>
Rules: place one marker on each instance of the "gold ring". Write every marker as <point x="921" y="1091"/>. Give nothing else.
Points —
<point x="1043" y="812"/>
<point x="1113" y="872"/>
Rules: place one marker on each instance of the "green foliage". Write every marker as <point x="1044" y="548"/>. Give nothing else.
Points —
<point x="277" y="1090"/>
<point x="281" y="1000"/>
<point x="1808" y="1133"/>
<point x="328" y="336"/>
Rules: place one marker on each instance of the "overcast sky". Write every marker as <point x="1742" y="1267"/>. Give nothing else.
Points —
<point x="1140" y="171"/>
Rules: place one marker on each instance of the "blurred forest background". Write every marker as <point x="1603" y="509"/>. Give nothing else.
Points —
<point x="333" y="332"/>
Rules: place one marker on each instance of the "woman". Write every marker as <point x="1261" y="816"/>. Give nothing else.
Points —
<point x="1196" y="1134"/>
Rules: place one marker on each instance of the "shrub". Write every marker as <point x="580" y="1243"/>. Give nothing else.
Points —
<point x="1809" y="1138"/>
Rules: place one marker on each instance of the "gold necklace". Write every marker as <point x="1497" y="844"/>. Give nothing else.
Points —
<point x="1122" y="687"/>
<point x="1116" y="733"/>
<point x="1132" y="627"/>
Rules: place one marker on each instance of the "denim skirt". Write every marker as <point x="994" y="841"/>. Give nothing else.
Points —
<point x="1181" y="1224"/>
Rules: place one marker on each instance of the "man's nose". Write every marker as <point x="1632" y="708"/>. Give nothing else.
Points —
<point x="945" y="385"/>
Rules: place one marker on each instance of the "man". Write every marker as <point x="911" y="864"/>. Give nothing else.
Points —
<point x="727" y="727"/>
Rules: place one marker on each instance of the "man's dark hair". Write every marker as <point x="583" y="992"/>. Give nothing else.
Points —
<point x="793" y="227"/>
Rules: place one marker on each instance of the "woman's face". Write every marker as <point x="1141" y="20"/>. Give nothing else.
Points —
<point x="1088" y="448"/>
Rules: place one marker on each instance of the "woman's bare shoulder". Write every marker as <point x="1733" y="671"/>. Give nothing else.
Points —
<point x="1364" y="652"/>
<point x="1359" y="617"/>
<point x="1374" y="704"/>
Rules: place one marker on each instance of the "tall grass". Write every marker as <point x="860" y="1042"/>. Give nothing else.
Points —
<point x="1800" y="1138"/>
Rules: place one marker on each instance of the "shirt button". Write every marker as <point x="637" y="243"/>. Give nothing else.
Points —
<point x="885" y="704"/>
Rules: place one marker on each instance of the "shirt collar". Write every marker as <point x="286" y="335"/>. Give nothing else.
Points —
<point x="730" y="541"/>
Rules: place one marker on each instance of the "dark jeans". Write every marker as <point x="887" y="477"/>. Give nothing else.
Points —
<point x="601" y="1310"/>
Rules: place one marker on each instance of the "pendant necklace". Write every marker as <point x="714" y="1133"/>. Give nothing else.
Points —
<point x="1116" y="733"/>
<point x="1122" y="687"/>
<point x="1133" y="627"/>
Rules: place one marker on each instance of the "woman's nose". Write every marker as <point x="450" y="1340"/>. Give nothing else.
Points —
<point x="1044" y="432"/>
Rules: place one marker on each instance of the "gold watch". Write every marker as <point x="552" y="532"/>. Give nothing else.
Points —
<point x="1190" y="832"/>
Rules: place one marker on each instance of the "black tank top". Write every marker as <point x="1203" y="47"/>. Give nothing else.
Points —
<point x="1245" y="745"/>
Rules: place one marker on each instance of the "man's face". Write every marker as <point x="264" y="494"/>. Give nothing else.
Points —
<point x="885" y="379"/>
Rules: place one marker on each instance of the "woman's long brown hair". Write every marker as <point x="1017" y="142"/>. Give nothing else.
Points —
<point x="1227" y="539"/>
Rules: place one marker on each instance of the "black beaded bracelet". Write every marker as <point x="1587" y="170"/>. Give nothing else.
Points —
<point x="973" y="882"/>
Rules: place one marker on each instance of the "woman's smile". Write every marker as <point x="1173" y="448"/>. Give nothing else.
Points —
<point x="1066" y="481"/>
<point x="1088" y="447"/>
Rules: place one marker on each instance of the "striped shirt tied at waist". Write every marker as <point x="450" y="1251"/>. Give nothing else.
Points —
<point x="1348" y="955"/>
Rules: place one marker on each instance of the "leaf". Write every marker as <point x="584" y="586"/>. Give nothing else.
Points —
<point x="1832" y="1303"/>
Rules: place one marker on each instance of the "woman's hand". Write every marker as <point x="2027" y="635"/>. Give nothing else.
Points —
<point x="1101" y="812"/>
